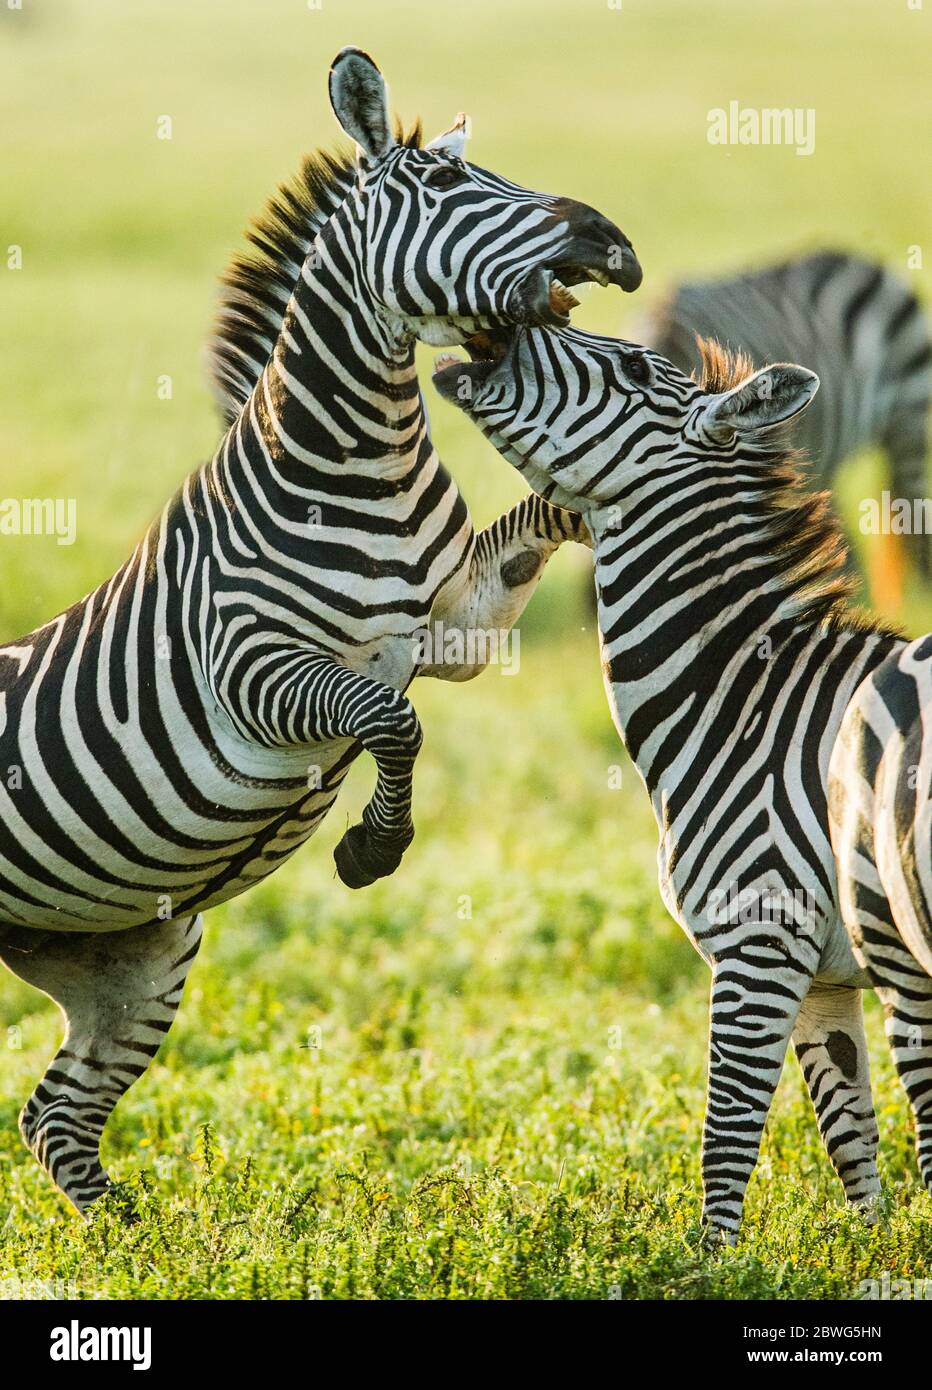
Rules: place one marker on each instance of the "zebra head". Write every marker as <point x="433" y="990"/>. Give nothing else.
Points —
<point x="445" y="248"/>
<point x="590" y="420"/>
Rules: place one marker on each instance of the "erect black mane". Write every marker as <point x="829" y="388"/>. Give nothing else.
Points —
<point x="256" y="286"/>
<point x="801" y="527"/>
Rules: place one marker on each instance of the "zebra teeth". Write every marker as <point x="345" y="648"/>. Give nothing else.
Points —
<point x="446" y="359"/>
<point x="561" y="299"/>
<point x="599" y="276"/>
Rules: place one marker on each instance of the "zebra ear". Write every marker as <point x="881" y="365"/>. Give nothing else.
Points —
<point x="768" y="398"/>
<point x="360" y="102"/>
<point x="452" y="141"/>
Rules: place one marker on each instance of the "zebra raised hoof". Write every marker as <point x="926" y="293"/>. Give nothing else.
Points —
<point x="864" y="333"/>
<point x="184" y="729"/>
<point x="361" y="857"/>
<point x="730" y="655"/>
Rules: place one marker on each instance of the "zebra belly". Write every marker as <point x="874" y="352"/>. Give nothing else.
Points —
<point x="838" y="964"/>
<point x="103" y="827"/>
<point x="127" y="795"/>
<point x="59" y="899"/>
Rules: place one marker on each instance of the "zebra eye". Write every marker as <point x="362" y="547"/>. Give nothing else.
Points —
<point x="637" y="368"/>
<point x="445" y="177"/>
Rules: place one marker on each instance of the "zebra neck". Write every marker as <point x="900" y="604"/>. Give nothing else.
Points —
<point x="340" y="389"/>
<point x="705" y="619"/>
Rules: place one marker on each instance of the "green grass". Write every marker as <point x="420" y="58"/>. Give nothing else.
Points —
<point x="505" y="1104"/>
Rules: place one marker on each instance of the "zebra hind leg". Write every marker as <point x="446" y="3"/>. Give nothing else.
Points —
<point x="902" y="983"/>
<point x="900" y="980"/>
<point x="831" y="1048"/>
<point x="907" y="1005"/>
<point x="119" y="992"/>
<point x="754" y="1007"/>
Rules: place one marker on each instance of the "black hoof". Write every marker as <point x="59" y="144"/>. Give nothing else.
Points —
<point x="714" y="1238"/>
<point x="360" y="859"/>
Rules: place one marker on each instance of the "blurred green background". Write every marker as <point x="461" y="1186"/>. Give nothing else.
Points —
<point x="544" y="1054"/>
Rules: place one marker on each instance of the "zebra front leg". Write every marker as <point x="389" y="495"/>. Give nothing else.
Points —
<point x="831" y="1048"/>
<point x="384" y="722"/>
<point x="754" y="1006"/>
<point x="507" y="564"/>
<point x="119" y="992"/>
<point x="284" y="698"/>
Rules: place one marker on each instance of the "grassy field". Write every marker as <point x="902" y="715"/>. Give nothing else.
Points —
<point x="484" y="1077"/>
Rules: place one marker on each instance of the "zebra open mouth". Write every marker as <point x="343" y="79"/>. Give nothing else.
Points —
<point x="490" y="346"/>
<point x="493" y="343"/>
<point x="457" y="380"/>
<point x="543" y="300"/>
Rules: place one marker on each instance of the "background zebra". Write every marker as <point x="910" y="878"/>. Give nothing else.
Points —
<point x="175" y="736"/>
<point x="729" y="658"/>
<point x="864" y="333"/>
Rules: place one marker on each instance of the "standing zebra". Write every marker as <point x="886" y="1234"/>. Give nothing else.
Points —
<point x="880" y="816"/>
<point x="729" y="658"/>
<point x="175" y="736"/>
<point x="864" y="333"/>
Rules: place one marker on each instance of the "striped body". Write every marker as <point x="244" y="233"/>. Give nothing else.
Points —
<point x="729" y="660"/>
<point x="881" y="821"/>
<point x="854" y="323"/>
<point x="148" y="788"/>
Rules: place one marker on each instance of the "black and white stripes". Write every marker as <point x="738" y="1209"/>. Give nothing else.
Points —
<point x="880" y="778"/>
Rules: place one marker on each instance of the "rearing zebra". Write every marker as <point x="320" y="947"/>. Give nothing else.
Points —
<point x="183" y="729"/>
<point x="729" y="657"/>
<point x="862" y="331"/>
